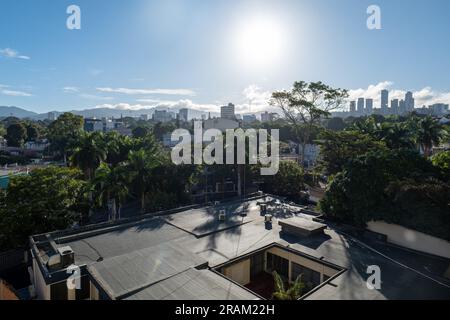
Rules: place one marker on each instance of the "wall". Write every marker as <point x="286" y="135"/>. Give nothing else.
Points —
<point x="239" y="272"/>
<point x="311" y="264"/>
<point x="411" y="239"/>
<point x="41" y="288"/>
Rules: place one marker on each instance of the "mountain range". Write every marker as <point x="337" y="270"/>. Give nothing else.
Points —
<point x="12" y="111"/>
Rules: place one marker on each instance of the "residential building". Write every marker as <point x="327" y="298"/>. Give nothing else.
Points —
<point x="183" y="115"/>
<point x="384" y="101"/>
<point x="268" y="116"/>
<point x="352" y="107"/>
<point x="409" y="101"/>
<point x="93" y="125"/>
<point x="162" y="116"/>
<point x="369" y="106"/>
<point x="360" y="107"/>
<point x="395" y="106"/>
<point x="224" y="251"/>
<point x="249" y="118"/>
<point x="51" y="116"/>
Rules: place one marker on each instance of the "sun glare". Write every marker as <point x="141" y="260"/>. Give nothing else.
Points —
<point x="259" y="42"/>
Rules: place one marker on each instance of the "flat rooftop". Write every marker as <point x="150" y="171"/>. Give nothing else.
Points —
<point x="173" y="256"/>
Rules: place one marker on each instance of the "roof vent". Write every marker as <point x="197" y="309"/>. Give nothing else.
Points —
<point x="67" y="256"/>
<point x="222" y="215"/>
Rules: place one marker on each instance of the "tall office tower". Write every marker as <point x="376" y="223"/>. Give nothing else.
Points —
<point x="384" y="100"/>
<point x="369" y="106"/>
<point x="402" y="107"/>
<point x="360" y="106"/>
<point x="227" y="112"/>
<point x="352" y="107"/>
<point x="409" y="101"/>
<point x="183" y="115"/>
<point x="394" y="106"/>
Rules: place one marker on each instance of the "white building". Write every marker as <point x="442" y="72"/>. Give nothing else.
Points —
<point x="227" y="112"/>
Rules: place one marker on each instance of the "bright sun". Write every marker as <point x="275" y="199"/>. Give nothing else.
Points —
<point x="259" y="42"/>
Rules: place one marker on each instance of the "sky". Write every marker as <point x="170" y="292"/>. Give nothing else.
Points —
<point x="203" y="54"/>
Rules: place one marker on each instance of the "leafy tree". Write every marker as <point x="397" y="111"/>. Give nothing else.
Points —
<point x="429" y="133"/>
<point x="64" y="132"/>
<point x="89" y="152"/>
<point x="33" y="132"/>
<point x="293" y="293"/>
<point x="16" y="134"/>
<point x="289" y="181"/>
<point x="118" y="147"/>
<point x="45" y="200"/>
<point x="140" y="132"/>
<point x="442" y="161"/>
<point x="338" y="148"/>
<point x="306" y="105"/>
<point x="336" y="124"/>
<point x="140" y="165"/>
<point x="397" y="186"/>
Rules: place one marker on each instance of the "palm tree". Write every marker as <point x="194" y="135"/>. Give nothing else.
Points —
<point x="293" y="293"/>
<point x="397" y="136"/>
<point x="89" y="152"/>
<point x="111" y="186"/>
<point x="140" y="164"/>
<point x="429" y="133"/>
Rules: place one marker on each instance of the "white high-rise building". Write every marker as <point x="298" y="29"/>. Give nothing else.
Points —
<point x="352" y="107"/>
<point x="360" y="106"/>
<point x="409" y="101"/>
<point x="227" y="112"/>
<point x="369" y="106"/>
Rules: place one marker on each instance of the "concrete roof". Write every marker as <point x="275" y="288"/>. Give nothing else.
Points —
<point x="154" y="258"/>
<point x="194" y="284"/>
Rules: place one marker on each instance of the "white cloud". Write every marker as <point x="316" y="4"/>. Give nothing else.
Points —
<point x="71" y="89"/>
<point x="94" y="97"/>
<point x="425" y="96"/>
<point x="163" y="104"/>
<point x="256" y="100"/>
<point x="15" y="93"/>
<point x="13" y="54"/>
<point x="179" y="92"/>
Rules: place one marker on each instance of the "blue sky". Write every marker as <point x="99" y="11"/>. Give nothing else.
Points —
<point x="142" y="53"/>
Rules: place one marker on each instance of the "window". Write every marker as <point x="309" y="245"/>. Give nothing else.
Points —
<point x="278" y="264"/>
<point x="256" y="264"/>
<point x="310" y="277"/>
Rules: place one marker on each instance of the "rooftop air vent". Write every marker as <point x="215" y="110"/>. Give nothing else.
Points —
<point x="222" y="215"/>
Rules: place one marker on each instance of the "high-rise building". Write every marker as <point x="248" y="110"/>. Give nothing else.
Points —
<point x="369" y="106"/>
<point x="384" y="100"/>
<point x="227" y="112"/>
<point x="360" y="106"/>
<point x="394" y="106"/>
<point x="352" y="107"/>
<point x="409" y="101"/>
<point x="402" y="107"/>
<point x="183" y="115"/>
<point x="51" y="116"/>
